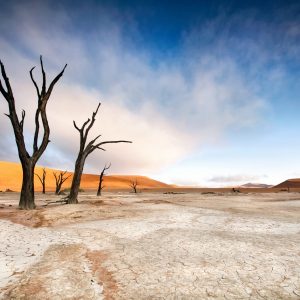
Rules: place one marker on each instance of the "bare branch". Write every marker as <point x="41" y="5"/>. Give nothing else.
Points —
<point x="56" y="178"/>
<point x="81" y="130"/>
<point x="112" y="142"/>
<point x="37" y="129"/>
<point x="22" y="120"/>
<point x="91" y="148"/>
<point x="74" y="123"/>
<point x="3" y="91"/>
<point x="38" y="176"/>
<point x="93" y="119"/>
<point x="35" y="84"/>
<point x="64" y="179"/>
<point x="54" y="81"/>
<point x="9" y="92"/>
<point x="93" y="141"/>
<point x="64" y="172"/>
<point x="99" y="148"/>
<point x="85" y="123"/>
<point x="97" y="108"/>
<point x="107" y="167"/>
<point x="12" y="115"/>
<point x="44" y="76"/>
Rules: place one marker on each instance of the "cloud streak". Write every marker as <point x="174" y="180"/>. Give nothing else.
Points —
<point x="236" y="178"/>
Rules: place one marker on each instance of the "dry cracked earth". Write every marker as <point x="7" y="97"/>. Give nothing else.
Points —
<point x="152" y="246"/>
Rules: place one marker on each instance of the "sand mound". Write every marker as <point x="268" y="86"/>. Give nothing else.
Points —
<point x="290" y="183"/>
<point x="11" y="178"/>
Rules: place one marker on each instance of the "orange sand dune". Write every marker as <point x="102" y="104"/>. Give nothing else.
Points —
<point x="11" y="178"/>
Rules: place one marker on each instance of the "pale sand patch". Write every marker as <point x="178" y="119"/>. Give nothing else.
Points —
<point x="63" y="272"/>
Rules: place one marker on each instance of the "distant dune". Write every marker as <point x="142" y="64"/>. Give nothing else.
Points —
<point x="11" y="178"/>
<point x="290" y="183"/>
<point x="256" y="185"/>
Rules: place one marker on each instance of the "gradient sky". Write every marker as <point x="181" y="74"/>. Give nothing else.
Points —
<point x="207" y="90"/>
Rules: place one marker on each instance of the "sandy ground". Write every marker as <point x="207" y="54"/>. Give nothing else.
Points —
<point x="152" y="246"/>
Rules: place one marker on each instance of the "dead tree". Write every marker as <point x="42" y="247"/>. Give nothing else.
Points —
<point x="59" y="181"/>
<point x="133" y="185"/>
<point x="42" y="179"/>
<point x="100" y="186"/>
<point x="29" y="161"/>
<point x="85" y="150"/>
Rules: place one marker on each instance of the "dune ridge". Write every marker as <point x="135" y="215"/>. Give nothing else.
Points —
<point x="289" y="183"/>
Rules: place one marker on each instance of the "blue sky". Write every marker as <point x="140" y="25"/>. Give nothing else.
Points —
<point x="207" y="90"/>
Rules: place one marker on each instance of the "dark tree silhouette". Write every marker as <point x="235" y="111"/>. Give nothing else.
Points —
<point x="133" y="185"/>
<point x="59" y="180"/>
<point x="29" y="161"/>
<point x="42" y="179"/>
<point x="100" y="186"/>
<point x="85" y="150"/>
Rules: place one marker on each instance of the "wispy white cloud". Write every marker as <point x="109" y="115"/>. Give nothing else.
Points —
<point x="236" y="178"/>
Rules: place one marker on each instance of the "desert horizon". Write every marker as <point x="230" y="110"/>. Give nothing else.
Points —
<point x="11" y="179"/>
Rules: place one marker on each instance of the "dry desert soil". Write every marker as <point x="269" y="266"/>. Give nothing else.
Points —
<point x="152" y="246"/>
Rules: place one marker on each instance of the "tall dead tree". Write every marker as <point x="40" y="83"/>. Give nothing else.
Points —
<point x="59" y="180"/>
<point x="85" y="150"/>
<point x="29" y="161"/>
<point x="100" y="186"/>
<point x="133" y="185"/>
<point x="42" y="179"/>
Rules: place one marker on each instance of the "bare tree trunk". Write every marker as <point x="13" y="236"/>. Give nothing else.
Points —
<point x="57" y="190"/>
<point x="85" y="149"/>
<point x="27" y="191"/>
<point x="29" y="161"/>
<point x="42" y="180"/>
<point x="73" y="197"/>
<point x="100" y="186"/>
